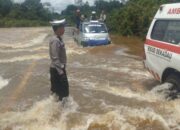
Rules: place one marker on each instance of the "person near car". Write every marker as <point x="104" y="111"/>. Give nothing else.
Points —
<point x="78" y="18"/>
<point x="93" y="16"/>
<point x="102" y="16"/>
<point x="57" y="52"/>
<point x="85" y="18"/>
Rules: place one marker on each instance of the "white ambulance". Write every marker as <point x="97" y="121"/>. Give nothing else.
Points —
<point x="162" y="46"/>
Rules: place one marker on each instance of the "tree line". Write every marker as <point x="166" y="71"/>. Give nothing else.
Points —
<point x="132" y="17"/>
<point x="135" y="16"/>
<point x="27" y="13"/>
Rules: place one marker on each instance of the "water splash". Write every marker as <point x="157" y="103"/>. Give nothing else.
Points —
<point x="50" y="115"/>
<point x="72" y="51"/>
<point x="158" y="93"/>
<point x="125" y="118"/>
<point x="162" y="91"/>
<point x="21" y="50"/>
<point x="25" y="58"/>
<point x="47" y="114"/>
<point x="3" y="82"/>
<point x="33" y="42"/>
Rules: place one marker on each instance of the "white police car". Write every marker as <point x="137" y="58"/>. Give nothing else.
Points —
<point x="93" y="33"/>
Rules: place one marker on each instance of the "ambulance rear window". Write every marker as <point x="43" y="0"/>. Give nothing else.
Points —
<point x="167" y="31"/>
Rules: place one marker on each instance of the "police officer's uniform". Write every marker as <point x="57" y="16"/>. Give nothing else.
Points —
<point x="57" y="52"/>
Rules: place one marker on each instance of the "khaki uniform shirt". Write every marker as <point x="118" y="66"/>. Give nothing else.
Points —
<point x="57" y="54"/>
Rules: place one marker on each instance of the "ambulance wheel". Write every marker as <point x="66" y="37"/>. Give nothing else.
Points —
<point x="175" y="81"/>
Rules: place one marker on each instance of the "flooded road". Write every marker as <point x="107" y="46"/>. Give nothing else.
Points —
<point x="109" y="88"/>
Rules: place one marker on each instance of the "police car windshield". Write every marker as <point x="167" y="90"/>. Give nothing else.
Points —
<point x="94" y="28"/>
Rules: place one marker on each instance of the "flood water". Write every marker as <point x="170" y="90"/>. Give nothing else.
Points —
<point x="109" y="88"/>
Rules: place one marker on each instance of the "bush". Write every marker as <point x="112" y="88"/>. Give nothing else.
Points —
<point x="134" y="17"/>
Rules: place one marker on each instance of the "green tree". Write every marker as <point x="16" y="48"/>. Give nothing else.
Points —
<point x="28" y="13"/>
<point x="134" y="17"/>
<point x="5" y="7"/>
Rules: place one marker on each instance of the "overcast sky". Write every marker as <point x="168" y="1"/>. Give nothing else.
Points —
<point x="59" y="5"/>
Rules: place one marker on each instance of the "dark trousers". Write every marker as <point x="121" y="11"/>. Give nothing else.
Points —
<point x="59" y="83"/>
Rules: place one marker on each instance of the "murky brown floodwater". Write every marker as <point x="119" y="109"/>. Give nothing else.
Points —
<point x="110" y="89"/>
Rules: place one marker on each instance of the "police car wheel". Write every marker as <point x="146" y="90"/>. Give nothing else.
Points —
<point x="174" y="80"/>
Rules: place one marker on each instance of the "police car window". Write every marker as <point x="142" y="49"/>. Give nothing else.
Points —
<point x="167" y="31"/>
<point x="95" y="28"/>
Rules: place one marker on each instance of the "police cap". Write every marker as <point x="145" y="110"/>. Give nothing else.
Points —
<point x="58" y="22"/>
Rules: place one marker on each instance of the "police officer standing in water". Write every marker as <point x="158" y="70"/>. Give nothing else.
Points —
<point x="57" y="52"/>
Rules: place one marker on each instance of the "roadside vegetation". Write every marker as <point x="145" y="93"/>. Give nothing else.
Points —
<point x="26" y="14"/>
<point x="127" y="18"/>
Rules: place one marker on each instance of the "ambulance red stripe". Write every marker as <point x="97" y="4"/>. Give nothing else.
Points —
<point x="162" y="45"/>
